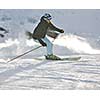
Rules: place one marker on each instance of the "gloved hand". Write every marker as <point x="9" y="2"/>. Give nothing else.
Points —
<point x="42" y="43"/>
<point x="62" y="31"/>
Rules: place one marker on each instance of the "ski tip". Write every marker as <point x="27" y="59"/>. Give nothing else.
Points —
<point x="71" y="58"/>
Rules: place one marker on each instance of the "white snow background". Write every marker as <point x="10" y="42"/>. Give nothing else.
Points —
<point x="81" y="38"/>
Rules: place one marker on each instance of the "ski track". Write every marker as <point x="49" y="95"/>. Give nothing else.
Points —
<point x="28" y="74"/>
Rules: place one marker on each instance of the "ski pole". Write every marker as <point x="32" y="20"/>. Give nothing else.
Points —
<point x="23" y="54"/>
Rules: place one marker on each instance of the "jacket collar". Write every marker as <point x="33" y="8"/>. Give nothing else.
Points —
<point x="48" y="21"/>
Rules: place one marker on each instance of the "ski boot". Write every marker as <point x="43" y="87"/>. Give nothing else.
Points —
<point x="52" y="57"/>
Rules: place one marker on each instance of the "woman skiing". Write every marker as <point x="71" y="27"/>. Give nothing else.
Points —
<point x="46" y="28"/>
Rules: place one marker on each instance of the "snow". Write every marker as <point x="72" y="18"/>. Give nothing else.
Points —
<point x="42" y="74"/>
<point x="81" y="38"/>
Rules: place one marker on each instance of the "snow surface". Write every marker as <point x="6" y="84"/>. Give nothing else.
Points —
<point x="36" y="74"/>
<point x="81" y="38"/>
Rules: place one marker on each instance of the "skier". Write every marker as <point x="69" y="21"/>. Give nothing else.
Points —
<point x="3" y="30"/>
<point x="46" y="28"/>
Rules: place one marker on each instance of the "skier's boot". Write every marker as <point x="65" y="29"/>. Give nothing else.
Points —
<point x="52" y="57"/>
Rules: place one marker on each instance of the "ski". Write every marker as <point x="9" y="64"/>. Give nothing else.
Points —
<point x="62" y="59"/>
<point x="71" y="58"/>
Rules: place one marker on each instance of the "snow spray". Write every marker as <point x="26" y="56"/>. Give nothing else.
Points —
<point x="76" y="44"/>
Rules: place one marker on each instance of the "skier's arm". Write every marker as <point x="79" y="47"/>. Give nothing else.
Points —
<point x="52" y="27"/>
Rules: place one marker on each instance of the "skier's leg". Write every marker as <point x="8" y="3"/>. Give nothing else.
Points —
<point x="50" y="55"/>
<point x="49" y="46"/>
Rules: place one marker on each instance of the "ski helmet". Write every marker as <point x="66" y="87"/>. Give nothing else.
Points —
<point x="47" y="16"/>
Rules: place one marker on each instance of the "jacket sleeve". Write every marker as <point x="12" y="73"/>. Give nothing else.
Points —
<point x="52" y="27"/>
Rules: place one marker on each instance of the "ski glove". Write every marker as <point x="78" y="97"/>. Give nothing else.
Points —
<point x="42" y="42"/>
<point x="62" y="31"/>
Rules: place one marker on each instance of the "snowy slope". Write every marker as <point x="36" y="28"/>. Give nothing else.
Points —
<point x="81" y="37"/>
<point x="36" y="74"/>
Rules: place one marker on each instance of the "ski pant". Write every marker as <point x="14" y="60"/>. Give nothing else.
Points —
<point x="49" y="45"/>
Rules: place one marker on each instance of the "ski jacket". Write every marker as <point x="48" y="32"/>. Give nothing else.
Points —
<point x="43" y="28"/>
